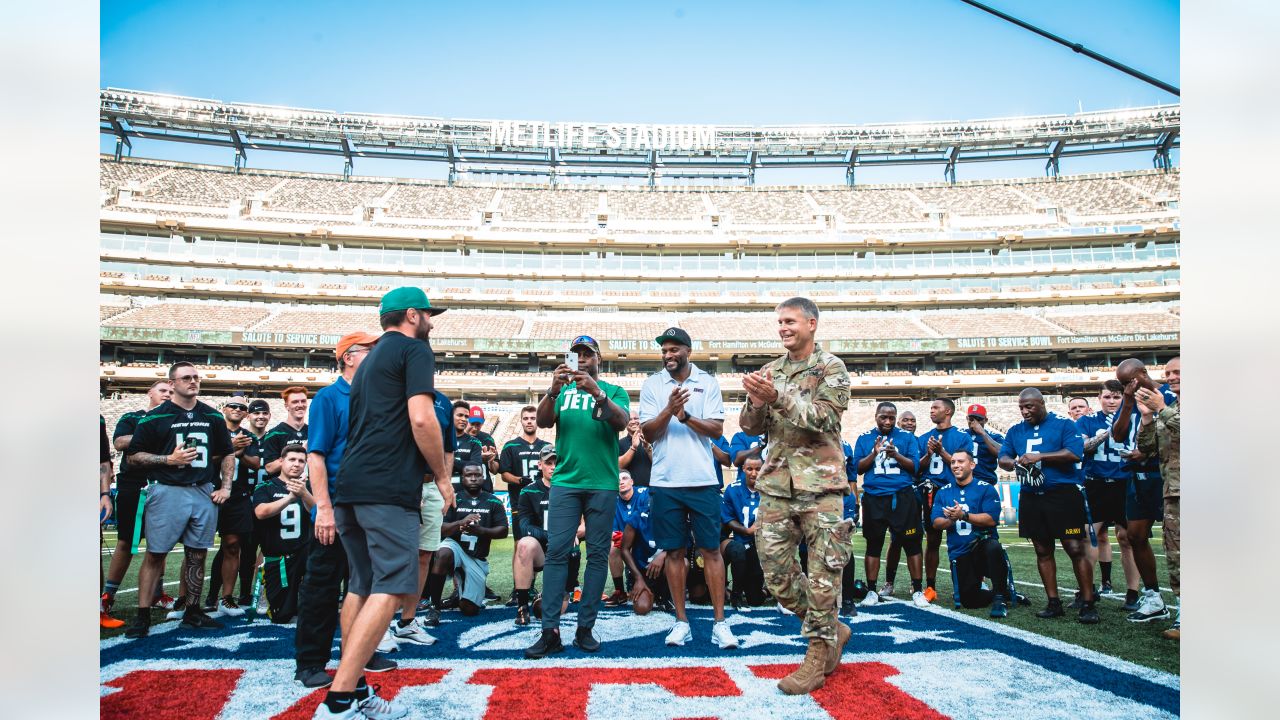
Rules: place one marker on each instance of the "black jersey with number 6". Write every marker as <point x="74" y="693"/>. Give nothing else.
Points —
<point x="168" y="426"/>
<point x="492" y="514"/>
<point x="285" y="533"/>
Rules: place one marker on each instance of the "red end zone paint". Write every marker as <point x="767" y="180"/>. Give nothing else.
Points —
<point x="563" y="692"/>
<point x="155" y="695"/>
<point x="859" y="690"/>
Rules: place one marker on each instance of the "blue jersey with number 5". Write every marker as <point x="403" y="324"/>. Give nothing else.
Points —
<point x="975" y="498"/>
<point x="1053" y="434"/>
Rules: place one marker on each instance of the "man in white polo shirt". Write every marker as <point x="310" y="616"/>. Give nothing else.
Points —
<point x="680" y="413"/>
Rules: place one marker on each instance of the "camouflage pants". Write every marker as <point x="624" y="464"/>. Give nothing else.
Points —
<point x="1172" y="531"/>
<point x="817" y="520"/>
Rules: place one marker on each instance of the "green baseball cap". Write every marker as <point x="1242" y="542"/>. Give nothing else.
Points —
<point x="405" y="298"/>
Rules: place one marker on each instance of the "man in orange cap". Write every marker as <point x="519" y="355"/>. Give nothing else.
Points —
<point x="326" y="560"/>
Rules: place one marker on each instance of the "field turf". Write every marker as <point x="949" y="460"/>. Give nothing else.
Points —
<point x="1137" y="643"/>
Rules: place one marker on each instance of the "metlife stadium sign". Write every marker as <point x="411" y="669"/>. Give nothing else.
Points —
<point x="596" y="136"/>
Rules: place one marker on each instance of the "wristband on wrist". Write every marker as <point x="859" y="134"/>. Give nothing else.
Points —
<point x="104" y="494"/>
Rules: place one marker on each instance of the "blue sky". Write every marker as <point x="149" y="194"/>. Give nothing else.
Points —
<point x="684" y="62"/>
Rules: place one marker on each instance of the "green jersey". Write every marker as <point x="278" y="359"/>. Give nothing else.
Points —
<point x="587" y="449"/>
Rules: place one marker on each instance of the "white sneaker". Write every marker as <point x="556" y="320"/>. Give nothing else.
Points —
<point x="388" y="643"/>
<point x="871" y="600"/>
<point x="378" y="708"/>
<point x="412" y="633"/>
<point x="919" y="599"/>
<point x="351" y="713"/>
<point x="886" y="590"/>
<point x="721" y="635"/>
<point x="1151" y="608"/>
<point x="227" y="607"/>
<point x="784" y="611"/>
<point x="680" y="634"/>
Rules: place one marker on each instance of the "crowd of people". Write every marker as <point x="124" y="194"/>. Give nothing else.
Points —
<point x="367" y="500"/>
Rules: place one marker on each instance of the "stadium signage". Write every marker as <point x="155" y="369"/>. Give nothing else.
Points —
<point x="646" y="347"/>
<point x="595" y="136"/>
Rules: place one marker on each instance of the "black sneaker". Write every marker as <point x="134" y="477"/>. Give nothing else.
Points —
<point x="1107" y="589"/>
<point x="210" y="603"/>
<point x="737" y="600"/>
<point x="196" y="619"/>
<point x="511" y="602"/>
<point x="1023" y="600"/>
<point x="490" y="596"/>
<point x="432" y="617"/>
<point x="848" y="608"/>
<point x="450" y="603"/>
<point x="548" y="644"/>
<point x="998" y="607"/>
<point x="313" y="677"/>
<point x="1077" y="603"/>
<point x="585" y="641"/>
<point x="378" y="663"/>
<point x="141" y="625"/>
<point x="1052" y="610"/>
<point x="522" y="615"/>
<point x="1089" y="614"/>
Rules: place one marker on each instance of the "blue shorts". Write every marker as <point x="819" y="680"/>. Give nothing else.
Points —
<point x="1145" y="499"/>
<point x="676" y="511"/>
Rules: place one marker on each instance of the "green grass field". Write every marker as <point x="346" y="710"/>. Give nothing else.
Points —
<point x="1137" y="643"/>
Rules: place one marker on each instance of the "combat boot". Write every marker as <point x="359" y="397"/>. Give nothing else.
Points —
<point x="843" y="633"/>
<point x="808" y="677"/>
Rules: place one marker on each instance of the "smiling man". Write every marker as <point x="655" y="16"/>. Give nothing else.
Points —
<point x="797" y="400"/>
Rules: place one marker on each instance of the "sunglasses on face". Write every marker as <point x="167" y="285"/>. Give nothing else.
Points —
<point x="236" y="406"/>
<point x="188" y="378"/>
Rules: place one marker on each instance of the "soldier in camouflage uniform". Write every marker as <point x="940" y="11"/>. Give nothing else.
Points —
<point x="1158" y="435"/>
<point x="797" y="401"/>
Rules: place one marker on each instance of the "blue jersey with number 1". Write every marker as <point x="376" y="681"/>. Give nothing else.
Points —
<point x="986" y="461"/>
<point x="1105" y="462"/>
<point x="975" y="498"/>
<point x="740" y="503"/>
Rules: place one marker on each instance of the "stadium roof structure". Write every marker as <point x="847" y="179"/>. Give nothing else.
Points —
<point x="633" y="150"/>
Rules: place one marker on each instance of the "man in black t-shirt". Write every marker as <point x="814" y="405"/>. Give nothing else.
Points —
<point x="476" y="519"/>
<point x="282" y="512"/>
<point x="518" y="461"/>
<point x="104" y="513"/>
<point x="293" y="429"/>
<point x="635" y="454"/>
<point x="393" y="438"/>
<point x="184" y="447"/>
<point x="128" y="511"/>
<point x="235" y="517"/>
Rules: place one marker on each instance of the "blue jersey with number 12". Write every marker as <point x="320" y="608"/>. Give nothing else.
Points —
<point x="884" y="477"/>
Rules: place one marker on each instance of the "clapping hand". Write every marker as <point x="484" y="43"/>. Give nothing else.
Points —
<point x="759" y="387"/>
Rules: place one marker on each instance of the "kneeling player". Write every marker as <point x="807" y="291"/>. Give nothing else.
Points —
<point x="282" y="511"/>
<point x="641" y="555"/>
<point x="531" y="547"/>
<point x="968" y="510"/>
<point x="739" y="514"/>
<point x="477" y="518"/>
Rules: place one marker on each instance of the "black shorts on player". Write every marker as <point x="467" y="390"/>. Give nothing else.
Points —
<point x="1107" y="501"/>
<point x="235" y="516"/>
<point x="128" y="512"/>
<point x="1055" y="513"/>
<point x="899" y="514"/>
<point x="1144" y="498"/>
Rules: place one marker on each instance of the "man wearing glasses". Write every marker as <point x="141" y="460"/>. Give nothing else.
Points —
<point x="235" y="517"/>
<point x="184" y="446"/>
<point x="325" y="558"/>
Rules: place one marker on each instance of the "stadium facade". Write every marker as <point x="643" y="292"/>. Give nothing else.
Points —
<point x="966" y="289"/>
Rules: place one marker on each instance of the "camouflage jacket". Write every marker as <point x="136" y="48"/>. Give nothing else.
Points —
<point x="1160" y="438"/>
<point x="803" y="453"/>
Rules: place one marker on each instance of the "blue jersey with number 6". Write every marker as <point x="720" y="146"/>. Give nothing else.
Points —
<point x="975" y="498"/>
<point x="884" y="477"/>
<point x="935" y="469"/>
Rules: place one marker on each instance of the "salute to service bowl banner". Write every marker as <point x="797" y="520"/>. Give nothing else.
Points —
<point x="647" y="347"/>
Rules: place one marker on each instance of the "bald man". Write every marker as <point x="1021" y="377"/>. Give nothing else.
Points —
<point x="1045" y="451"/>
<point x="1144" y="502"/>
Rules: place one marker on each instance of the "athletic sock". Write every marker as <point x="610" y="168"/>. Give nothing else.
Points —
<point x="933" y="582"/>
<point x="1154" y="588"/>
<point x="915" y="586"/>
<point x="405" y="623"/>
<point x="617" y="583"/>
<point x="889" y="574"/>
<point x="1130" y="597"/>
<point x="362" y="689"/>
<point x="339" y="701"/>
<point x="522" y="596"/>
<point x="1106" y="572"/>
<point x="435" y="588"/>
<point x="110" y="589"/>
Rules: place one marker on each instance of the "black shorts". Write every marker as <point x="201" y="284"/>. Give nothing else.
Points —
<point x="128" y="519"/>
<point x="1107" y="500"/>
<point x="924" y="496"/>
<point x="899" y="514"/>
<point x="235" y="516"/>
<point x="1056" y="514"/>
<point x="281" y="578"/>
<point x="1145" y="499"/>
